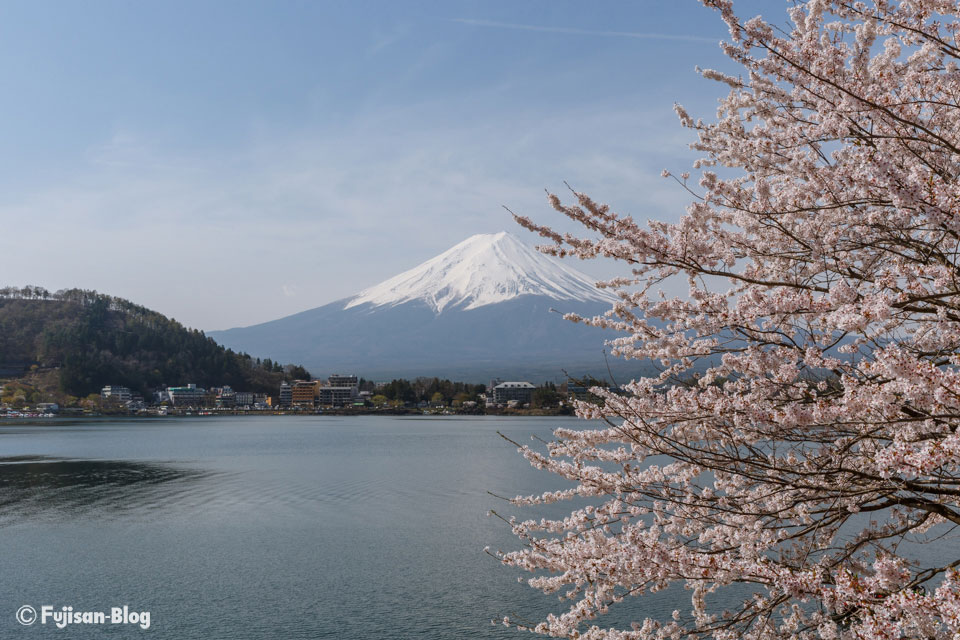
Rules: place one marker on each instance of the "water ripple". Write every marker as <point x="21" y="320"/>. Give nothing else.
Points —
<point x="41" y="487"/>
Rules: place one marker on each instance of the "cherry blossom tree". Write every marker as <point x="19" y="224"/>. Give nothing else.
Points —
<point x="802" y="438"/>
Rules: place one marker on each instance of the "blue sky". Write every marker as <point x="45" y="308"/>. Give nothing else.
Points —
<point x="228" y="163"/>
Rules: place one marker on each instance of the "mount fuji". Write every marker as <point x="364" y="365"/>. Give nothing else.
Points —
<point x="481" y="309"/>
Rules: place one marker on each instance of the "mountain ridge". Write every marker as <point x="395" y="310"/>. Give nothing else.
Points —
<point x="86" y="340"/>
<point x="479" y="310"/>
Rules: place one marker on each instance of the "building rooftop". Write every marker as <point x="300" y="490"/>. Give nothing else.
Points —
<point x="514" y="385"/>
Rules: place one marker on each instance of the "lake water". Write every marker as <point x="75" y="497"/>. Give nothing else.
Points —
<point x="267" y="527"/>
<point x="278" y="527"/>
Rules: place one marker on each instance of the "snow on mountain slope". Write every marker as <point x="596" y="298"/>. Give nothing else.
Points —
<point x="484" y="269"/>
<point x="481" y="309"/>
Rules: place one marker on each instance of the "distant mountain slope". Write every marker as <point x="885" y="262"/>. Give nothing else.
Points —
<point x="94" y="340"/>
<point x="480" y="309"/>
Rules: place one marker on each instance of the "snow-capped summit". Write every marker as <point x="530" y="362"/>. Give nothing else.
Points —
<point x="484" y="269"/>
<point x="482" y="309"/>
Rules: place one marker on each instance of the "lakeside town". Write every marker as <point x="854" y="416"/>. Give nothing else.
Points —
<point x="338" y="394"/>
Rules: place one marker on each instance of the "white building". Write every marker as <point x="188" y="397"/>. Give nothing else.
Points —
<point x="336" y="396"/>
<point x="115" y="393"/>
<point x="286" y="394"/>
<point x="188" y="396"/>
<point x="340" y="390"/>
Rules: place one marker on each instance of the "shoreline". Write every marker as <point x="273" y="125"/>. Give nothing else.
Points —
<point x="205" y="413"/>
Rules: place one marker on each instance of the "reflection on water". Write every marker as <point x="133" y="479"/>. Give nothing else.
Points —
<point x="275" y="527"/>
<point x="38" y="487"/>
<point x="279" y="527"/>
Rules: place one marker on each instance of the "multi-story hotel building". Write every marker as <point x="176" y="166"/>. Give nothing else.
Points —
<point x="521" y="392"/>
<point x="188" y="396"/>
<point x="304" y="393"/>
<point x="115" y="393"/>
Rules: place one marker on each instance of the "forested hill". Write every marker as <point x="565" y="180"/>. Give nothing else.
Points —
<point x="91" y="340"/>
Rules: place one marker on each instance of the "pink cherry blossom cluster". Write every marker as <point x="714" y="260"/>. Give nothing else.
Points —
<point x="805" y="422"/>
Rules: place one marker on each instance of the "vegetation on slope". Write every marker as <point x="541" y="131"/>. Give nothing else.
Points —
<point x="93" y="340"/>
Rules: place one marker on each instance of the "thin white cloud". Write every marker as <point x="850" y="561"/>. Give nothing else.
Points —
<point x="385" y="40"/>
<point x="582" y="32"/>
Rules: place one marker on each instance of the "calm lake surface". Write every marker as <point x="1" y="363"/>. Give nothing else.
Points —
<point x="269" y="527"/>
<point x="280" y="527"/>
